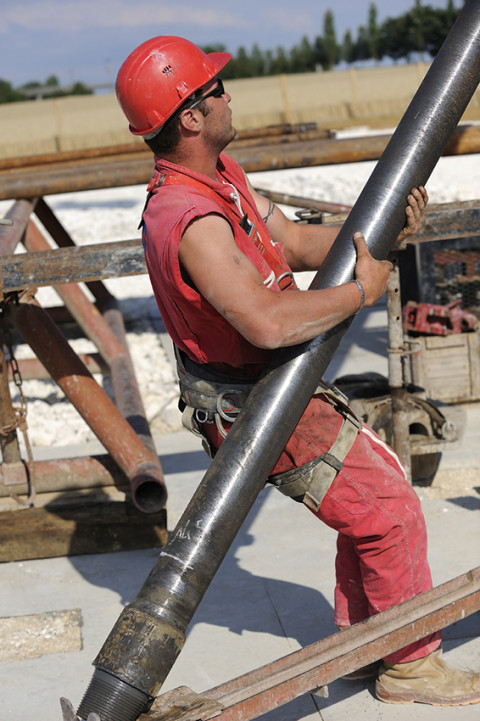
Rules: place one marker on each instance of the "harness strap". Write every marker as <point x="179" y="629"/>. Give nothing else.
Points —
<point x="214" y="398"/>
<point x="309" y="483"/>
<point x="207" y="396"/>
<point x="281" y="272"/>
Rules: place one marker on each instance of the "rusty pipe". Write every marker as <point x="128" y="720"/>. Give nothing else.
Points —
<point x="128" y="667"/>
<point x="82" y="310"/>
<point x="107" y="331"/>
<point x="19" y="215"/>
<point x="275" y="684"/>
<point x="396" y="373"/>
<point x="136" y="168"/>
<point x="32" y="369"/>
<point x="138" y="463"/>
<point x="69" y="474"/>
<point x="63" y="239"/>
<point x="301" y="202"/>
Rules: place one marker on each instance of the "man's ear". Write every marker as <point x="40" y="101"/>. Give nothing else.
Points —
<point x="191" y="120"/>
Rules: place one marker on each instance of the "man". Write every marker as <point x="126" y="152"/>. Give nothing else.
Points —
<point x="220" y="258"/>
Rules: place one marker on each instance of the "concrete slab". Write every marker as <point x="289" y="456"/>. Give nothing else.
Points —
<point x="273" y="593"/>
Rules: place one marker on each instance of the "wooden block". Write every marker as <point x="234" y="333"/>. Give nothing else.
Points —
<point x="77" y="529"/>
<point x="448" y="367"/>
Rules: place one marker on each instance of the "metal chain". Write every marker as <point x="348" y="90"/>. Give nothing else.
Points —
<point x="20" y="414"/>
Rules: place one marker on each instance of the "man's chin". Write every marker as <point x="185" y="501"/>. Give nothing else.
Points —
<point x="233" y="136"/>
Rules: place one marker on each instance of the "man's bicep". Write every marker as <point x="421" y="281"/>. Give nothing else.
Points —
<point x="220" y="272"/>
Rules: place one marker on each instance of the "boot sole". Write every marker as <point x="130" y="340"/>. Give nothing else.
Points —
<point x="408" y="698"/>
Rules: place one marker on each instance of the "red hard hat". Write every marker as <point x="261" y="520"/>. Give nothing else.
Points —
<point x="159" y="75"/>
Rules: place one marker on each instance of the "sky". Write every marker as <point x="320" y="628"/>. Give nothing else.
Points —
<point x="87" y="40"/>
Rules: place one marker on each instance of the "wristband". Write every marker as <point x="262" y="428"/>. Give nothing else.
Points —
<point x="362" y="294"/>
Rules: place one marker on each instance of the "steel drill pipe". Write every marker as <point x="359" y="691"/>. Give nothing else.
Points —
<point x="148" y="636"/>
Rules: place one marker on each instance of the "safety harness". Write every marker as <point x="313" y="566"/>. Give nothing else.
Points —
<point x="207" y="396"/>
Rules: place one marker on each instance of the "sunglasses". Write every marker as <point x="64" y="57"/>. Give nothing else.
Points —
<point x="217" y="92"/>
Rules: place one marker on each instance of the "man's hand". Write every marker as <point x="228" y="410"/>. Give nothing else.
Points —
<point x="415" y="212"/>
<point x="372" y="274"/>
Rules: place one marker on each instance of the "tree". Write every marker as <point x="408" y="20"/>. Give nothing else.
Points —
<point x="362" y="45"/>
<point x="81" y="89"/>
<point x="281" y="63"/>
<point x="52" y="81"/>
<point x="330" y="38"/>
<point x="257" y="62"/>
<point x="347" y="52"/>
<point x="8" y="94"/>
<point x="302" y="57"/>
<point x="326" y="48"/>
<point x="394" y="37"/>
<point x="373" y="33"/>
<point x="243" y="64"/>
<point x="418" y="25"/>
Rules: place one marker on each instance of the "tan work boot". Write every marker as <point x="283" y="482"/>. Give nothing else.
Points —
<point x="427" y="680"/>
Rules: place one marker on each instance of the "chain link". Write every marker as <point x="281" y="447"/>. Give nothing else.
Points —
<point x="19" y="412"/>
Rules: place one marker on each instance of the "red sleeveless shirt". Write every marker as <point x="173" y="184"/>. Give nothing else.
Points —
<point x="194" y="325"/>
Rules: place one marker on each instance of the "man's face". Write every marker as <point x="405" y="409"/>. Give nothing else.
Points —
<point x="218" y="116"/>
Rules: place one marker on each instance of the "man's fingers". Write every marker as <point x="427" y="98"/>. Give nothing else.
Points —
<point x="360" y="242"/>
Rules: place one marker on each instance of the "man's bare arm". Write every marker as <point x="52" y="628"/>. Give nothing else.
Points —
<point x="228" y="280"/>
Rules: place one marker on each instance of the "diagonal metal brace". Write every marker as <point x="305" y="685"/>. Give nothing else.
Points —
<point x="279" y="682"/>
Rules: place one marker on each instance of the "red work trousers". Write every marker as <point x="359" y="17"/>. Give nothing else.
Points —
<point x="382" y="543"/>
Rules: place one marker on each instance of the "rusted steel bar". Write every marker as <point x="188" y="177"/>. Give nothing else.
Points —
<point x="134" y="147"/>
<point x="269" y="131"/>
<point x="126" y="257"/>
<point x="32" y="369"/>
<point x="450" y="220"/>
<point x="277" y="683"/>
<point x="63" y="239"/>
<point x="89" y="174"/>
<point x="127" y="394"/>
<point x="73" y="265"/>
<point x="302" y="202"/>
<point x="136" y="168"/>
<point x="396" y="375"/>
<point x="70" y="474"/>
<point x="82" y="310"/>
<point x="299" y="136"/>
<point x="11" y="235"/>
<point x="107" y="331"/>
<point x="66" y="156"/>
<point x="101" y="414"/>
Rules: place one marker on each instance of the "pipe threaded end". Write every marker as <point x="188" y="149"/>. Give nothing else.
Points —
<point x="113" y="699"/>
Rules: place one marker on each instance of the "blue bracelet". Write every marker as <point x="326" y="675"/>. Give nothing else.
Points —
<point x="362" y="294"/>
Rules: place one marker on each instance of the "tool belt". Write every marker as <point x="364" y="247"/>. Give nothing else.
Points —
<point x="207" y="396"/>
